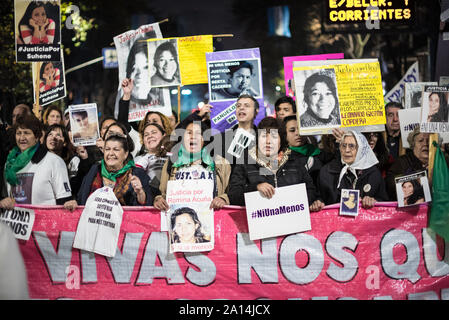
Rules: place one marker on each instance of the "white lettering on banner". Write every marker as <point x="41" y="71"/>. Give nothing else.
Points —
<point x="263" y="262"/>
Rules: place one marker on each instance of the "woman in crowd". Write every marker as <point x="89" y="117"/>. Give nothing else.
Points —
<point x="186" y="227"/>
<point x="413" y="192"/>
<point x="193" y="159"/>
<point x="438" y="107"/>
<point x="166" y="66"/>
<point x="52" y="115"/>
<point x="284" y="107"/>
<point x="356" y="169"/>
<point x="302" y="147"/>
<point x="321" y="101"/>
<point x="377" y="143"/>
<point x="150" y="160"/>
<point x="416" y="160"/>
<point x="118" y="171"/>
<point x="35" y="27"/>
<point x="272" y="166"/>
<point x="34" y="175"/>
<point x="57" y="141"/>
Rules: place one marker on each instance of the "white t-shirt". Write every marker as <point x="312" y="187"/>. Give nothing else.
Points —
<point x="43" y="182"/>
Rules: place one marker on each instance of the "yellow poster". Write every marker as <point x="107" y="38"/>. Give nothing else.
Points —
<point x="339" y="96"/>
<point x="178" y="61"/>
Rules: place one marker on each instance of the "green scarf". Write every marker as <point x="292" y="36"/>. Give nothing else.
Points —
<point x="16" y="161"/>
<point x="186" y="158"/>
<point x="113" y="175"/>
<point x="308" y="150"/>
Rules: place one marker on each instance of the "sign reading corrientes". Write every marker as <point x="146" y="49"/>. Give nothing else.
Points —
<point x="358" y="11"/>
<point x="382" y="254"/>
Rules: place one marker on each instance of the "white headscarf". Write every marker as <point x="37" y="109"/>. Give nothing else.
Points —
<point x="364" y="159"/>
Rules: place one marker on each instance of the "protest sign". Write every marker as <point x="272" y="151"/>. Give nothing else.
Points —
<point x="412" y="189"/>
<point x="409" y="119"/>
<point x="383" y="254"/>
<point x="413" y="93"/>
<point x="192" y="58"/>
<point x="190" y="219"/>
<point x="49" y="80"/>
<point x="109" y="58"/>
<point x="351" y="92"/>
<point x="435" y="109"/>
<point x="242" y="139"/>
<point x="397" y="93"/>
<point x="21" y="221"/>
<point x="163" y="63"/>
<point x="84" y="124"/>
<point x="288" y="67"/>
<point x="285" y="213"/>
<point x="99" y="225"/>
<point x="132" y="55"/>
<point x="37" y="30"/>
<point x="232" y="73"/>
<point x="349" y="202"/>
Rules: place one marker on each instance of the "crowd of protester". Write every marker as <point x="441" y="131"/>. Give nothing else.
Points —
<point x="39" y="161"/>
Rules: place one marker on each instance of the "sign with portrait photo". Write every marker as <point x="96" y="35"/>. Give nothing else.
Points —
<point x="412" y="189"/>
<point x="49" y="79"/>
<point x="435" y="109"/>
<point x="84" y="124"/>
<point x="339" y="93"/>
<point x="163" y="63"/>
<point x="132" y="55"/>
<point x="413" y="93"/>
<point x="349" y="202"/>
<point x="37" y="30"/>
<point x="190" y="219"/>
<point x="285" y="213"/>
<point x="232" y="73"/>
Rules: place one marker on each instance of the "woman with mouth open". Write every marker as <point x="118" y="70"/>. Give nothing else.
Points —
<point x="272" y="158"/>
<point x="193" y="161"/>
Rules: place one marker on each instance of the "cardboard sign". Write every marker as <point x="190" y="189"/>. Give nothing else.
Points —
<point x="190" y="220"/>
<point x="285" y="213"/>
<point x="413" y="93"/>
<point x="435" y="109"/>
<point x="242" y="139"/>
<point x="412" y="189"/>
<point x="409" y="119"/>
<point x="84" y="124"/>
<point x="48" y="81"/>
<point x="21" y="221"/>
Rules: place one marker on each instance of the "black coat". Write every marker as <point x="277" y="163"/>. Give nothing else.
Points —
<point x="246" y="177"/>
<point x="369" y="182"/>
<point x="130" y="196"/>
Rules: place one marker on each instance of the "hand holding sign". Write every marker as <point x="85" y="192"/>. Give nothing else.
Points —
<point x="136" y="184"/>
<point x="266" y="189"/>
<point x="127" y="87"/>
<point x="368" y="202"/>
<point x="7" y="203"/>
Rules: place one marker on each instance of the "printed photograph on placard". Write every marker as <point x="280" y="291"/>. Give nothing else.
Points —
<point x="413" y="93"/>
<point x="163" y="60"/>
<point x="435" y="104"/>
<point x="349" y="202"/>
<point x="229" y="79"/>
<point x="84" y="124"/>
<point x="412" y="189"/>
<point x="37" y="30"/>
<point x="51" y="81"/>
<point x="317" y="98"/>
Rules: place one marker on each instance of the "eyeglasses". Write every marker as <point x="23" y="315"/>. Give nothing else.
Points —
<point x="351" y="146"/>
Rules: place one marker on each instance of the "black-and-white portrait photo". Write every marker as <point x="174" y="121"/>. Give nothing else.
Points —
<point x="318" y="104"/>
<point x="413" y="93"/>
<point x="164" y="63"/>
<point x="230" y="79"/>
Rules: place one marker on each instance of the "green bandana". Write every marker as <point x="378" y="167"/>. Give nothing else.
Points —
<point x="308" y="150"/>
<point x="113" y="175"/>
<point x="186" y="158"/>
<point x="16" y="161"/>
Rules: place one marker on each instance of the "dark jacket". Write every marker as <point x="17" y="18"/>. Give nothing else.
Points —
<point x="369" y="182"/>
<point x="130" y="196"/>
<point x="246" y="177"/>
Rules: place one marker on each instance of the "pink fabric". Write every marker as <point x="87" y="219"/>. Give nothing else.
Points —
<point x="273" y="277"/>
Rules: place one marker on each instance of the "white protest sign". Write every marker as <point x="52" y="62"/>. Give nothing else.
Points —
<point x="20" y="220"/>
<point x="242" y="139"/>
<point x="190" y="220"/>
<point x="435" y="109"/>
<point x="84" y="124"/>
<point x="285" y="213"/>
<point x="99" y="225"/>
<point x="409" y="120"/>
<point x="397" y="93"/>
<point x="412" y="189"/>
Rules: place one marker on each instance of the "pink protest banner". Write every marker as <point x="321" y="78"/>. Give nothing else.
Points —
<point x="383" y="253"/>
<point x="288" y="67"/>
